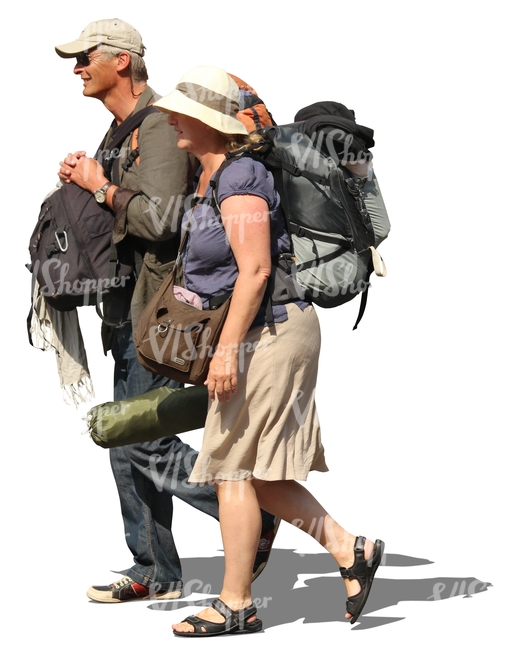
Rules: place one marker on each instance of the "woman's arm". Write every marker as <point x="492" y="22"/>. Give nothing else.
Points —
<point x="246" y="220"/>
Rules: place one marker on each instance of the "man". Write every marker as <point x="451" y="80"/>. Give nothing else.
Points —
<point x="151" y="178"/>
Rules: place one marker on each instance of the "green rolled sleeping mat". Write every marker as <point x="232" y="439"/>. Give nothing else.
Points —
<point x="161" y="412"/>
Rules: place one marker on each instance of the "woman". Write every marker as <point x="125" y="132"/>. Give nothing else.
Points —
<point x="262" y="432"/>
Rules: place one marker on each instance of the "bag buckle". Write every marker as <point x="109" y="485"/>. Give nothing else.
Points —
<point x="162" y="328"/>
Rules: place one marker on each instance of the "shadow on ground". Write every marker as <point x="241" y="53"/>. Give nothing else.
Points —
<point x="283" y="597"/>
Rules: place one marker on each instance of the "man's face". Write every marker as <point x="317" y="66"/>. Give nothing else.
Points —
<point x="99" y="75"/>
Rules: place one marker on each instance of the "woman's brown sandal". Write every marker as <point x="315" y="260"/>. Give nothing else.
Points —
<point x="363" y="571"/>
<point x="235" y="623"/>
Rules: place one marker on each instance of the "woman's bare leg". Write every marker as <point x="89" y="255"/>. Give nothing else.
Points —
<point x="240" y="524"/>
<point x="239" y="514"/>
<point x="295" y="504"/>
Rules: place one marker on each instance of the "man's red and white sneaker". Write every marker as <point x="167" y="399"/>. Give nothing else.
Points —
<point x="126" y="589"/>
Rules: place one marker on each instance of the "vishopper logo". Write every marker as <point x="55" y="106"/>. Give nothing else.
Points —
<point x="178" y="467"/>
<point x="188" y="343"/>
<point x="246" y="349"/>
<point x="176" y="471"/>
<point x="185" y="345"/>
<point x="168" y="218"/>
<point x="102" y="414"/>
<point x="301" y="413"/>
<point x="240" y="221"/>
<point x="322" y="530"/>
<point x="312" y="151"/>
<point x="195" y="586"/>
<point x="459" y="589"/>
<point x="104" y="155"/>
<point x="330" y="279"/>
<point x="53" y="282"/>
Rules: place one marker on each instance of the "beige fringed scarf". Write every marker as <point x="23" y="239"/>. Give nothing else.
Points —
<point x="51" y="329"/>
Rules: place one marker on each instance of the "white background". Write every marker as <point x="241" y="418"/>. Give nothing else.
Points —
<point x="412" y="404"/>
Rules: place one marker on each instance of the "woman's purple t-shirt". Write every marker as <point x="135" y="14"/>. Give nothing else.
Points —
<point x="209" y="266"/>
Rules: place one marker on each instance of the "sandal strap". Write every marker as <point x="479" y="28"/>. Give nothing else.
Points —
<point x="235" y="621"/>
<point x="232" y="616"/>
<point x="199" y="623"/>
<point x="247" y="612"/>
<point x="348" y="573"/>
<point x="358" y="569"/>
<point x="221" y="607"/>
<point x="352" y="605"/>
<point x="359" y="546"/>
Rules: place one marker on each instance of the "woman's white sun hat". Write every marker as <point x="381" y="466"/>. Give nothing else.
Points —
<point x="210" y="95"/>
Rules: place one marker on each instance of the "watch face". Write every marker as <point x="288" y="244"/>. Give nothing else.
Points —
<point x="101" y="194"/>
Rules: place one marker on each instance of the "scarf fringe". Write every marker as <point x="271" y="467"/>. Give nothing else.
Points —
<point x="78" y="393"/>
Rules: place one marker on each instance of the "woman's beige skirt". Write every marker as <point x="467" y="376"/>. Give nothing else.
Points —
<point x="269" y="429"/>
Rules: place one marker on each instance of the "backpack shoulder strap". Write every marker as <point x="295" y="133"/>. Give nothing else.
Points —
<point x="109" y="151"/>
<point x="255" y="151"/>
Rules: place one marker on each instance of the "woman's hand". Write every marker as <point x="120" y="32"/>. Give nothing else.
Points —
<point x="86" y="172"/>
<point x="222" y="375"/>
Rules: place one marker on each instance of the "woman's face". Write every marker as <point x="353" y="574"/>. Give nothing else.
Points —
<point x="191" y="134"/>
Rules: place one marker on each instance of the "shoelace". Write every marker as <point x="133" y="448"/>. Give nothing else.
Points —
<point x="123" y="582"/>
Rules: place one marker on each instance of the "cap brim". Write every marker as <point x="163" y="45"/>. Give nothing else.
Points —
<point x="69" y="50"/>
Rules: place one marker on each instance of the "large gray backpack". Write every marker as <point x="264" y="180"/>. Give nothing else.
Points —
<point x="335" y="220"/>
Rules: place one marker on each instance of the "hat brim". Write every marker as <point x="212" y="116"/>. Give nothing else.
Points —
<point x="177" y="102"/>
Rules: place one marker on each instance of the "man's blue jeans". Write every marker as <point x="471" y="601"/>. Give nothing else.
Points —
<point x="148" y="475"/>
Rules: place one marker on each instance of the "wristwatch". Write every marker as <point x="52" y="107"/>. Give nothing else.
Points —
<point x="101" y="194"/>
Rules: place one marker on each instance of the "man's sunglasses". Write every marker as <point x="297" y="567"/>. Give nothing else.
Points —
<point x="83" y="58"/>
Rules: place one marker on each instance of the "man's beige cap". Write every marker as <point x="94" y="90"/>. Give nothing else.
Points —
<point x="112" y="31"/>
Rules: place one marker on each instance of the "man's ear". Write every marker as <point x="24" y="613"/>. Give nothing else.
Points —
<point x="123" y="61"/>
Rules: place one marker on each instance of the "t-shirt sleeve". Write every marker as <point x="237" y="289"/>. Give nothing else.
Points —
<point x="246" y="176"/>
